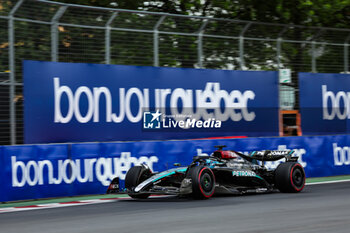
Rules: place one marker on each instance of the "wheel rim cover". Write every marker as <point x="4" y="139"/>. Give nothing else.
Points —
<point x="298" y="177"/>
<point x="206" y="182"/>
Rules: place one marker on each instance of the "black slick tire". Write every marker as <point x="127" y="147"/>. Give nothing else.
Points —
<point x="134" y="177"/>
<point x="203" y="182"/>
<point x="290" y="177"/>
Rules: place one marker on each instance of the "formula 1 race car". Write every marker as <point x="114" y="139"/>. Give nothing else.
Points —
<point x="224" y="171"/>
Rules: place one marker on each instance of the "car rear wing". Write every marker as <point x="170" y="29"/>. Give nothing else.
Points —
<point x="269" y="155"/>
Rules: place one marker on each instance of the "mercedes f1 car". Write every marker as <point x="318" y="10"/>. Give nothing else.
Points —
<point x="224" y="171"/>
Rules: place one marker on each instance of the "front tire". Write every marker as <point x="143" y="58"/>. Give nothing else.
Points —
<point x="134" y="177"/>
<point x="290" y="177"/>
<point x="203" y="182"/>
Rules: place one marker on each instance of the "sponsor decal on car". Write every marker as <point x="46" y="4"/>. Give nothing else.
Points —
<point x="244" y="173"/>
<point x="279" y="152"/>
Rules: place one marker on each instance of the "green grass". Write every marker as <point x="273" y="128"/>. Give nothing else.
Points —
<point x="328" y="178"/>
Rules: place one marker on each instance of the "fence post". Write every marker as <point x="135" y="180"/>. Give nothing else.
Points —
<point x="346" y="55"/>
<point x="313" y="52"/>
<point x="200" y="43"/>
<point x="241" y="45"/>
<point x="54" y="32"/>
<point x="279" y="42"/>
<point x="11" y="38"/>
<point x="155" y="41"/>
<point x="313" y="57"/>
<point x="108" y="38"/>
<point x="346" y="58"/>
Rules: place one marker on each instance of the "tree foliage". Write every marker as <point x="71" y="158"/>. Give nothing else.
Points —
<point x="181" y="51"/>
<point x="33" y="40"/>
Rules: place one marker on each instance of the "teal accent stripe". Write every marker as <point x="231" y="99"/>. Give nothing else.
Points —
<point x="168" y="174"/>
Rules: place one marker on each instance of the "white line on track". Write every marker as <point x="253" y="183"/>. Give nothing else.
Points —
<point x="65" y="204"/>
<point x="55" y="205"/>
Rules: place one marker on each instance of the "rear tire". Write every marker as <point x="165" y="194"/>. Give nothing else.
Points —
<point x="203" y="182"/>
<point x="290" y="177"/>
<point x="134" y="177"/>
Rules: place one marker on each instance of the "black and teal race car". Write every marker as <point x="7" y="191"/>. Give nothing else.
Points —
<point x="224" y="171"/>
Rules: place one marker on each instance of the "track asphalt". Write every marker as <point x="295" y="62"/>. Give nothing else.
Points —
<point x="319" y="208"/>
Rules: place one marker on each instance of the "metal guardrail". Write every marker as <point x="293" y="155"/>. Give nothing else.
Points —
<point x="46" y="30"/>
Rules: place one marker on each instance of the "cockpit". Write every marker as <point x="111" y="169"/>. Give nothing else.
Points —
<point x="224" y="154"/>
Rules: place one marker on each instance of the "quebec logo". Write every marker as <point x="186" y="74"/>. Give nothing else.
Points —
<point x="151" y="120"/>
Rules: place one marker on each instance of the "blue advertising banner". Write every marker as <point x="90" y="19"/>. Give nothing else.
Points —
<point x="29" y="172"/>
<point x="42" y="171"/>
<point x="74" y="102"/>
<point x="324" y="103"/>
<point x="2" y="174"/>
